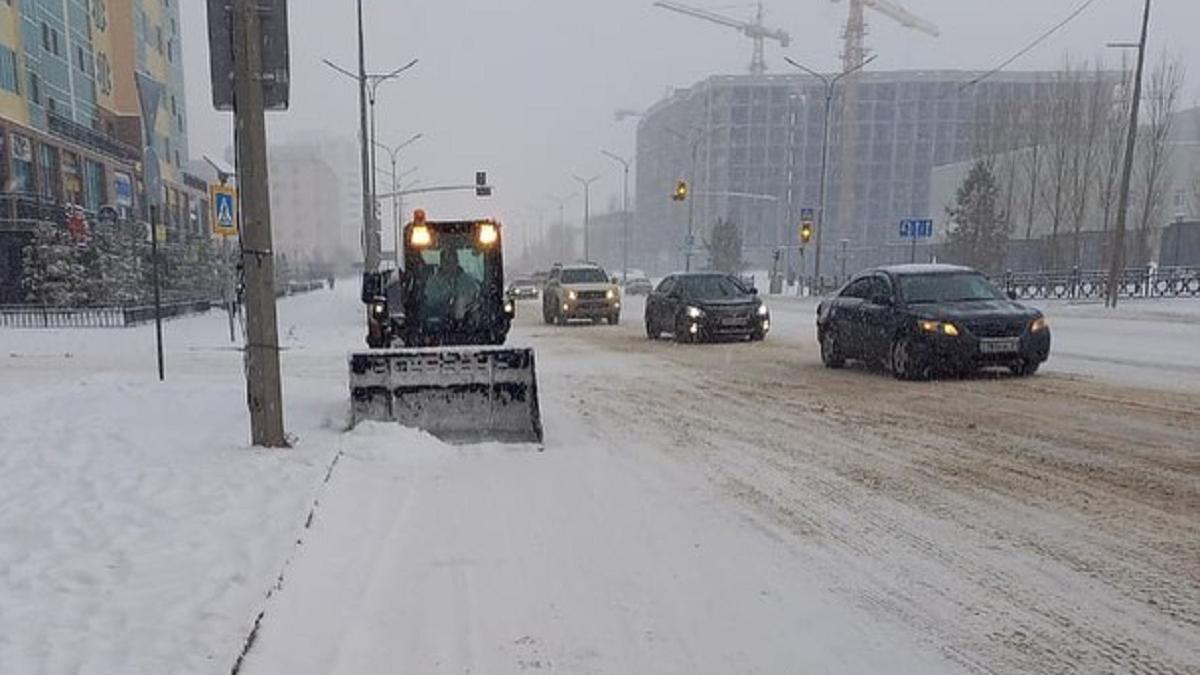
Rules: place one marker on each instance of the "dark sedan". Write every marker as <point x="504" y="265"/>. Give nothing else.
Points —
<point x="919" y="320"/>
<point x="698" y="306"/>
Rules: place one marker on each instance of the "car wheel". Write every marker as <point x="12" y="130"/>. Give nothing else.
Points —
<point x="1024" y="368"/>
<point x="831" y="352"/>
<point x="651" y="331"/>
<point x="614" y="320"/>
<point x="547" y="318"/>
<point x="904" y="364"/>
<point x="758" y="336"/>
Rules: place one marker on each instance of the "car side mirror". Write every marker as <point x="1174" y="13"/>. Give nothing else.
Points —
<point x="882" y="300"/>
<point x="753" y="291"/>
<point x="615" y="281"/>
<point x="1012" y="295"/>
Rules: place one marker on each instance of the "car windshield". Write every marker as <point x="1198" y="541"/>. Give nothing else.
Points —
<point x="930" y="288"/>
<point x="584" y="276"/>
<point x="712" y="287"/>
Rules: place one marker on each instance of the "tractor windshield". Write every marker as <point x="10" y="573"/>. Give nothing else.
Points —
<point x="450" y="278"/>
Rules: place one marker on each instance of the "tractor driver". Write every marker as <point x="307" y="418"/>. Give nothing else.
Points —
<point x="450" y="293"/>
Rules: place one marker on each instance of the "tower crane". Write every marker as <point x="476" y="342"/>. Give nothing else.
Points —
<point x="755" y="30"/>
<point x="856" y="27"/>
<point x="853" y="55"/>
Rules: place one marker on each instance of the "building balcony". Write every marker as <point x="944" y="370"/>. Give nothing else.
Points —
<point x="92" y="139"/>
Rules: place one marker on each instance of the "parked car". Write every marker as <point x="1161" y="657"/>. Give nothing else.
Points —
<point x="919" y="320"/>
<point x="580" y="291"/>
<point x="523" y="289"/>
<point x="699" y="306"/>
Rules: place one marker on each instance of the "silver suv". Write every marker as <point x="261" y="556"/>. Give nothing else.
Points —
<point x="580" y="291"/>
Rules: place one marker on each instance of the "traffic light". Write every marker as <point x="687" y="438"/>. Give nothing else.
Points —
<point x="681" y="191"/>
<point x="806" y="233"/>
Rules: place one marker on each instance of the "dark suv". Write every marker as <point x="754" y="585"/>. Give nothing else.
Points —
<point x="922" y="319"/>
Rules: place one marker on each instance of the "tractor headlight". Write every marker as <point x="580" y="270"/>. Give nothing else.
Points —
<point x="943" y="327"/>
<point x="762" y="309"/>
<point x="1039" y="324"/>
<point x="694" y="312"/>
<point x="488" y="234"/>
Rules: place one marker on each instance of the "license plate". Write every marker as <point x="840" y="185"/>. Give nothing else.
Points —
<point x="733" y="321"/>
<point x="1005" y="346"/>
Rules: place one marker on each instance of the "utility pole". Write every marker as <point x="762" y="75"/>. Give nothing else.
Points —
<point x="370" y="237"/>
<point x="830" y="85"/>
<point x="624" y="212"/>
<point x="264" y="389"/>
<point x="587" y="207"/>
<point x="1117" y="259"/>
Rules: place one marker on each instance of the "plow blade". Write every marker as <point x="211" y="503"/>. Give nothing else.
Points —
<point x="459" y="394"/>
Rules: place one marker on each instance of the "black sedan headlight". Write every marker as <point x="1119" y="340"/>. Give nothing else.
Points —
<point x="378" y="310"/>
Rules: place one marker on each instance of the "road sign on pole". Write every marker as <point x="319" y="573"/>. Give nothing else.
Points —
<point x="223" y="200"/>
<point x="914" y="229"/>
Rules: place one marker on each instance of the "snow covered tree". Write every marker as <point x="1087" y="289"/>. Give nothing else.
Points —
<point x="54" y="271"/>
<point x="120" y="263"/>
<point x="978" y="233"/>
<point x="725" y="247"/>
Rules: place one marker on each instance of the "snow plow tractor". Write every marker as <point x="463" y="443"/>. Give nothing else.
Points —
<point x="435" y="329"/>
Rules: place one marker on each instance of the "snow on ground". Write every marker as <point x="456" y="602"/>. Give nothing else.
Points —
<point x="137" y="530"/>
<point x="139" y="534"/>
<point x="587" y="558"/>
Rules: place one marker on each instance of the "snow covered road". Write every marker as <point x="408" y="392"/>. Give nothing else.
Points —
<point x="698" y="509"/>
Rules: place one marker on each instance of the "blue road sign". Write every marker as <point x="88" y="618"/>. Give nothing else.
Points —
<point x="916" y="228"/>
<point x="224" y="206"/>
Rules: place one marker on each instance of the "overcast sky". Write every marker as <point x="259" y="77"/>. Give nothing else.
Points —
<point x="526" y="89"/>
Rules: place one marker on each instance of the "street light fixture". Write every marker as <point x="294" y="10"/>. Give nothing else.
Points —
<point x="587" y="206"/>
<point x="368" y="88"/>
<point x="625" y="163"/>
<point x="830" y="84"/>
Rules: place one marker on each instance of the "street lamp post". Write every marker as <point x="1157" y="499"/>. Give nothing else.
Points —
<point x="562" y="221"/>
<point x="587" y="207"/>
<point x="830" y="84"/>
<point x="368" y="88"/>
<point x="394" y="155"/>
<point x="625" y="163"/>
<point x="397" y="202"/>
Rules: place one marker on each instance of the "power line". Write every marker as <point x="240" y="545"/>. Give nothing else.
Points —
<point x="1031" y="46"/>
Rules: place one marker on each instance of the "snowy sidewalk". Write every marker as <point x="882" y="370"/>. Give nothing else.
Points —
<point x="426" y="558"/>
<point x="138" y="532"/>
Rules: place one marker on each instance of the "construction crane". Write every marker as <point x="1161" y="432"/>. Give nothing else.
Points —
<point x="856" y="27"/>
<point x="854" y="54"/>
<point x="755" y="30"/>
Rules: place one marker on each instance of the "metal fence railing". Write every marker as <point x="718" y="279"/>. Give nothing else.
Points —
<point x="1143" y="282"/>
<point x="27" y="316"/>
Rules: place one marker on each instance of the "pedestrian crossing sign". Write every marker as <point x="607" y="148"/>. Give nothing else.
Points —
<point x="224" y="210"/>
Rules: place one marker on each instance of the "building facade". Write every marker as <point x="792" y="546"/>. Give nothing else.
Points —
<point x="70" y="120"/>
<point x="751" y="148"/>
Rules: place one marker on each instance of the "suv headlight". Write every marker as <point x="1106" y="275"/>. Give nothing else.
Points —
<point x="1039" y="324"/>
<point x="611" y="294"/>
<point x="694" y="312"/>
<point x="572" y="295"/>
<point x="378" y="309"/>
<point x="762" y="309"/>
